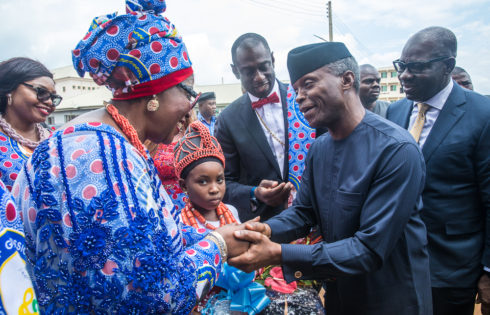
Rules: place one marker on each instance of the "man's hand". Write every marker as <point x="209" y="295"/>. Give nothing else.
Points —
<point x="257" y="226"/>
<point x="484" y="294"/>
<point x="262" y="252"/>
<point x="272" y="193"/>
<point x="235" y="246"/>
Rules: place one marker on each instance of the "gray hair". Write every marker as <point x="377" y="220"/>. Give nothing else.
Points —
<point x="339" y="67"/>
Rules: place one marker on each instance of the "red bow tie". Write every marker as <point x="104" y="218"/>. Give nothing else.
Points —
<point x="273" y="98"/>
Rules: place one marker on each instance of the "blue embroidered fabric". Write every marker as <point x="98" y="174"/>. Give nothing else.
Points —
<point x="16" y="291"/>
<point x="11" y="160"/>
<point x="102" y="235"/>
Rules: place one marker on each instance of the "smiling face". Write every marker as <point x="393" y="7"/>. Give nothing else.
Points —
<point x="320" y="96"/>
<point x="254" y="66"/>
<point x="174" y="105"/>
<point x="26" y="107"/>
<point x="205" y="185"/>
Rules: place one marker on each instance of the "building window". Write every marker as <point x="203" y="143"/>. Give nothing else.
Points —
<point x="79" y="87"/>
<point x="383" y="75"/>
<point x="393" y="74"/>
<point x="69" y="117"/>
<point x="393" y="88"/>
<point x="384" y="88"/>
<point x="50" y="121"/>
<point x="83" y="88"/>
<point x="64" y="89"/>
<point x="74" y="87"/>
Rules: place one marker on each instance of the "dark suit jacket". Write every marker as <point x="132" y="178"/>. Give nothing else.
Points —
<point x="456" y="196"/>
<point x="249" y="158"/>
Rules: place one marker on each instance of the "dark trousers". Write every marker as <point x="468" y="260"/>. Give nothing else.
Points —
<point x="453" y="301"/>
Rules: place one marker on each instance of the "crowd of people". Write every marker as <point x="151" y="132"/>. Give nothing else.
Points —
<point x="144" y="207"/>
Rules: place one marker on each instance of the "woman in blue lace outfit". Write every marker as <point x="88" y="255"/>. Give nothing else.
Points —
<point x="27" y="97"/>
<point x="102" y="235"/>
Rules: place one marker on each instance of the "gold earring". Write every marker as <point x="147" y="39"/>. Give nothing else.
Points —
<point x="153" y="104"/>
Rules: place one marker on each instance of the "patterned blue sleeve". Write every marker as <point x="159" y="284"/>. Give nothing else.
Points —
<point x="102" y="236"/>
<point x="15" y="285"/>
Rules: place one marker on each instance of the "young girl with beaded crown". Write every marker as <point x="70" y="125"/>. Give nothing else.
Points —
<point x="199" y="164"/>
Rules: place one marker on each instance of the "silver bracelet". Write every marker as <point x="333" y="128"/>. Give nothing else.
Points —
<point x="216" y="238"/>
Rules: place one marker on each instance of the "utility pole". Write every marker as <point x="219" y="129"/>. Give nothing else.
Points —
<point x="329" y="16"/>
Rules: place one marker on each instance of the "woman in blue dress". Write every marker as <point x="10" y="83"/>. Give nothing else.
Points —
<point x="102" y="235"/>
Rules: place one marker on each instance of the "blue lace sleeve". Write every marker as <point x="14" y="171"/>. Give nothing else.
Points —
<point x="101" y="233"/>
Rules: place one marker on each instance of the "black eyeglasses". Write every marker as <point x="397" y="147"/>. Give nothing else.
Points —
<point x="193" y="95"/>
<point x="43" y="95"/>
<point x="415" y="67"/>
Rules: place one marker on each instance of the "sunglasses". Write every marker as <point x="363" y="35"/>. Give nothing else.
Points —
<point x="43" y="95"/>
<point x="193" y="95"/>
<point x="415" y="67"/>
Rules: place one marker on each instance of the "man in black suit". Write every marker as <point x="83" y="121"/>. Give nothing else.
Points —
<point x="255" y="139"/>
<point x="452" y="126"/>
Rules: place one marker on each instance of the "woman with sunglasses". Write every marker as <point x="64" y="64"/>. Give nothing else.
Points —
<point x="102" y="235"/>
<point x="27" y="98"/>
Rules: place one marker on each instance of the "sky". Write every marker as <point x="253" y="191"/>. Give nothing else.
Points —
<point x="374" y="31"/>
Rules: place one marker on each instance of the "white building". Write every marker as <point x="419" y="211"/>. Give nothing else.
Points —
<point x="391" y="89"/>
<point x="80" y="95"/>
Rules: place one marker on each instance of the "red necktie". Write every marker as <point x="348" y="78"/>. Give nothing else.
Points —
<point x="273" y="98"/>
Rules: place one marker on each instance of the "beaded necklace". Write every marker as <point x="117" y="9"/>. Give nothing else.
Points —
<point x="42" y="133"/>
<point x="126" y="128"/>
<point x="189" y="216"/>
<point x="268" y="129"/>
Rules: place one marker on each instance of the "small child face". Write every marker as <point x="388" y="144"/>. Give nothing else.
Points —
<point x="205" y="185"/>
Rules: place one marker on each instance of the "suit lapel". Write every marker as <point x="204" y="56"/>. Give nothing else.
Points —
<point x="404" y="117"/>
<point x="283" y="89"/>
<point x="256" y="132"/>
<point x="450" y="114"/>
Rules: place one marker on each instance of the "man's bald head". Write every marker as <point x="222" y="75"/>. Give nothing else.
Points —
<point x="367" y="68"/>
<point x="445" y="42"/>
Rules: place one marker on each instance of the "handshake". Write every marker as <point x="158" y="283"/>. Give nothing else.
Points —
<point x="249" y="247"/>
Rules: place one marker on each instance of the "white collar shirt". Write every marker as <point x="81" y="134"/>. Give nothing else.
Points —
<point x="272" y="115"/>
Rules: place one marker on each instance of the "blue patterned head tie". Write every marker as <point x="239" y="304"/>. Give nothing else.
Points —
<point x="124" y="52"/>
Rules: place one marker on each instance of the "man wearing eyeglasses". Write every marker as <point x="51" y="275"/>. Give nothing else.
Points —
<point x="452" y="127"/>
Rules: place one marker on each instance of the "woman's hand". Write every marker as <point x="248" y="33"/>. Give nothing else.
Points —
<point x="235" y="246"/>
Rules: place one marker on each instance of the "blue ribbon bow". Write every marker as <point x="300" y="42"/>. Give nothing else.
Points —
<point x="245" y="295"/>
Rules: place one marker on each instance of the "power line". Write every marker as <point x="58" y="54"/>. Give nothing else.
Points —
<point x="302" y="6"/>
<point x="282" y="9"/>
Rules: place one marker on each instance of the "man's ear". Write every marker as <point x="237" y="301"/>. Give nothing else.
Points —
<point x="235" y="71"/>
<point x="348" y="79"/>
<point x="450" y="64"/>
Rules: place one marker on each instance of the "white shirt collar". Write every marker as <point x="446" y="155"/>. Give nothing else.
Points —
<point x="438" y="100"/>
